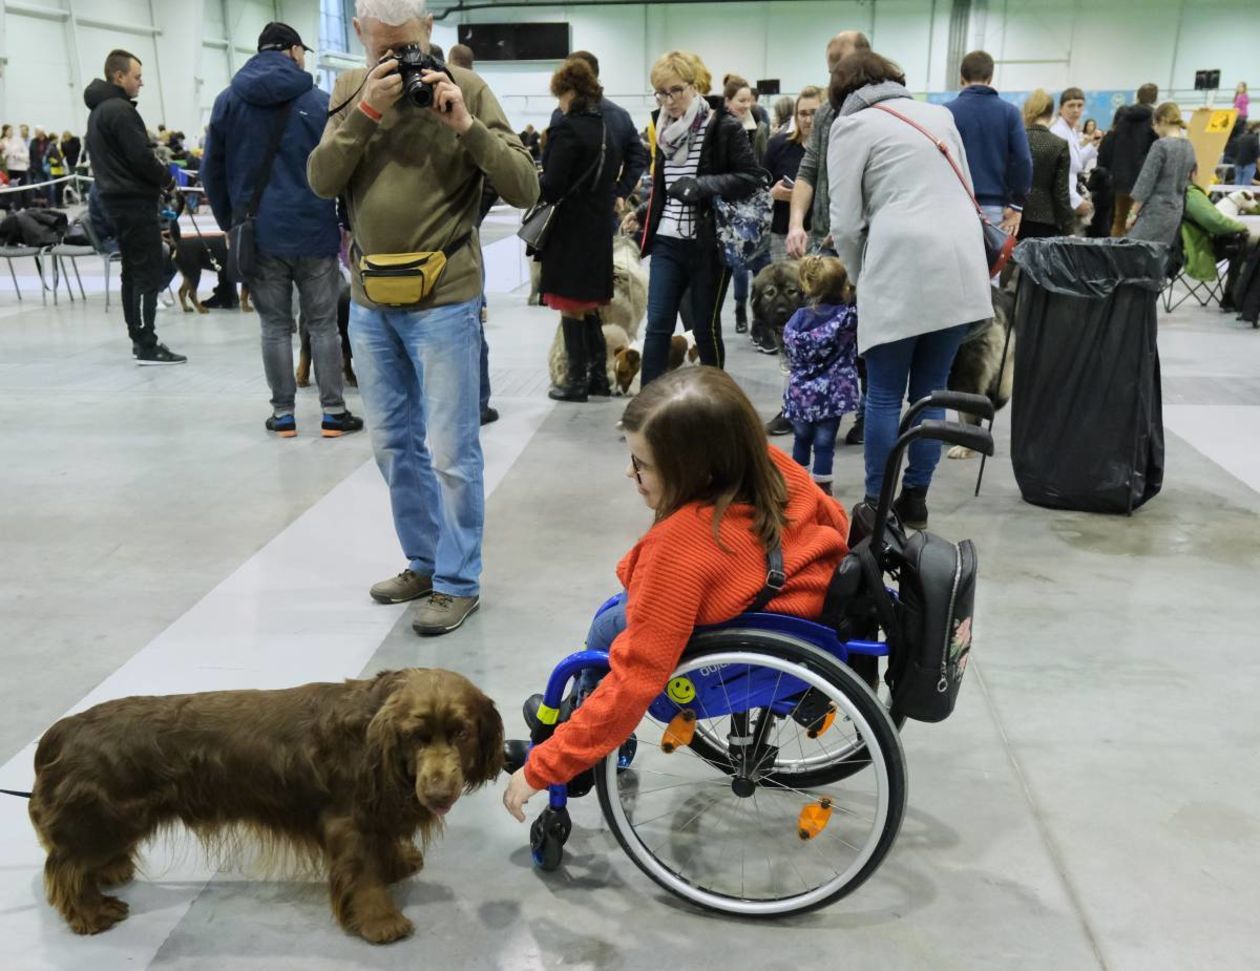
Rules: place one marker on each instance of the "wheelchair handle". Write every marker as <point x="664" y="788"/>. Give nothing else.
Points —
<point x="968" y="404"/>
<point x="956" y="433"/>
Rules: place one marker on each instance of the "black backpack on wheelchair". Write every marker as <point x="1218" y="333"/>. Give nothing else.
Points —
<point x="927" y="622"/>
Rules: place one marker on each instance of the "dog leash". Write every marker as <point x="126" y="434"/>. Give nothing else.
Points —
<point x="214" y="264"/>
<point x="14" y="792"/>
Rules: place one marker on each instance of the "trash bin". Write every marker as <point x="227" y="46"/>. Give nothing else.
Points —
<point x="1087" y="428"/>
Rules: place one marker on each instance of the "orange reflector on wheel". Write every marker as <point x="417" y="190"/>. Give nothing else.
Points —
<point x="680" y="731"/>
<point x="813" y="819"/>
<point x="827" y="721"/>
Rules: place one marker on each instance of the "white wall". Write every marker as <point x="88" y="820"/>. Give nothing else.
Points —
<point x="49" y="49"/>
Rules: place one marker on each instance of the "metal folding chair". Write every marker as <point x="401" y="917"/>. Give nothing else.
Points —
<point x="11" y="253"/>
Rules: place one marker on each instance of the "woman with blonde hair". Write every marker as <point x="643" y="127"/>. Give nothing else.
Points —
<point x="701" y="152"/>
<point x="1048" y="208"/>
<point x="1159" y="194"/>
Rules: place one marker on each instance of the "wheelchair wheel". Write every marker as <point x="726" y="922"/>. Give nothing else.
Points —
<point x="724" y="829"/>
<point x="801" y="763"/>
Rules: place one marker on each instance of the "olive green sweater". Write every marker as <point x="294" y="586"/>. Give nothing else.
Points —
<point x="412" y="184"/>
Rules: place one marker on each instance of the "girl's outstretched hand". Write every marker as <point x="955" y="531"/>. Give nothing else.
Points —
<point x="517" y="793"/>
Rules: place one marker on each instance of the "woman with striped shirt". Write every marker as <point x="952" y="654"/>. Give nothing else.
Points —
<point x="701" y="152"/>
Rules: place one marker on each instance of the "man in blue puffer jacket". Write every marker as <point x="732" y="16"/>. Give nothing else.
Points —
<point x="297" y="237"/>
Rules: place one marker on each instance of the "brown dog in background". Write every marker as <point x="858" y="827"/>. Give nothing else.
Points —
<point x="346" y="775"/>
<point x="303" y="373"/>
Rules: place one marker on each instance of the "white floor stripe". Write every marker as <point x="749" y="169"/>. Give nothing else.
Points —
<point x="1229" y="435"/>
<point x="276" y="621"/>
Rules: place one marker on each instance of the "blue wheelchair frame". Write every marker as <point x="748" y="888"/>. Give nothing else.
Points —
<point x="575" y="664"/>
<point x="554" y="823"/>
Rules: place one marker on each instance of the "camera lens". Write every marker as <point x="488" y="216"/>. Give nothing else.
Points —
<point x="421" y="94"/>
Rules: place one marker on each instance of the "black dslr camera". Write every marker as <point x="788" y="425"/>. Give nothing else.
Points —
<point x="412" y="63"/>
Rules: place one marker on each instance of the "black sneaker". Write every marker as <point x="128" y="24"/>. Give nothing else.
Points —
<point x="285" y="426"/>
<point x="767" y="344"/>
<point x="857" y="434"/>
<point x="489" y="415"/>
<point x="778" y="425"/>
<point x="158" y="354"/>
<point x="334" y="426"/>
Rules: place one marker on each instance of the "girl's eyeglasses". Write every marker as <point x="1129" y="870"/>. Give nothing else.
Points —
<point x="638" y="468"/>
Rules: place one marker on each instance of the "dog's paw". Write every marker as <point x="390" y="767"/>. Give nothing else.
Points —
<point x="386" y="929"/>
<point x="101" y="918"/>
<point x="960" y="452"/>
<point x="202" y="308"/>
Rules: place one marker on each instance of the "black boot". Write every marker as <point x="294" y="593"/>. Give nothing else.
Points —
<point x="911" y="507"/>
<point x="741" y="317"/>
<point x="857" y="434"/>
<point x="597" y="384"/>
<point x="574" y="387"/>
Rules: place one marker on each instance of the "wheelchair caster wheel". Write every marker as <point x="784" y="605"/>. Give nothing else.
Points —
<point x="625" y="755"/>
<point x="547" y="837"/>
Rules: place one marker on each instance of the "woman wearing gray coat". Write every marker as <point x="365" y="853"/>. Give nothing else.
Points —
<point x="1159" y="195"/>
<point x="908" y="233"/>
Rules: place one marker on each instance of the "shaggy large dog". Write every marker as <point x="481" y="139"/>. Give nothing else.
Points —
<point x="344" y="774"/>
<point x="621" y="319"/>
<point x="978" y="367"/>
<point x="776" y="295"/>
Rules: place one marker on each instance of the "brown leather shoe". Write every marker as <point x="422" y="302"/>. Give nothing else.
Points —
<point x="443" y="613"/>
<point x="406" y="586"/>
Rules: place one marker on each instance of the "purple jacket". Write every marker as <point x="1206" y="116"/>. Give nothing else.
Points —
<point x="821" y="347"/>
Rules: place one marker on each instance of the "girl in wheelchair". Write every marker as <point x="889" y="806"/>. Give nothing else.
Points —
<point x="725" y="506"/>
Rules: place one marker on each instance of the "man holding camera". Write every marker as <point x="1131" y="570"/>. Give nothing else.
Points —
<point x="408" y="146"/>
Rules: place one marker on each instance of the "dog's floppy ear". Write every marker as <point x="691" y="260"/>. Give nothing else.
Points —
<point x="381" y="778"/>
<point x="489" y="728"/>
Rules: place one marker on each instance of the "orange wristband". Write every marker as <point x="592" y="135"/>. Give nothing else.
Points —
<point x="368" y="110"/>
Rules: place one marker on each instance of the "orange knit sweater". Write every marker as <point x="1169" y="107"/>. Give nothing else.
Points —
<point x="677" y="579"/>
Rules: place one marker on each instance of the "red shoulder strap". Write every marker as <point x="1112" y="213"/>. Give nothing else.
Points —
<point x="940" y="144"/>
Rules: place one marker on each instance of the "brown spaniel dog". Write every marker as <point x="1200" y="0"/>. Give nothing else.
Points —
<point x="344" y="774"/>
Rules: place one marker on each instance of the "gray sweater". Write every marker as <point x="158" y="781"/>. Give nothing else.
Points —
<point x="1161" y="188"/>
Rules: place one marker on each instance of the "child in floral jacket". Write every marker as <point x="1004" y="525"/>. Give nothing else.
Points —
<point x="820" y="342"/>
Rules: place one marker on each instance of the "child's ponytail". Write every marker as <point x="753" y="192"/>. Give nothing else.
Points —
<point x="825" y="280"/>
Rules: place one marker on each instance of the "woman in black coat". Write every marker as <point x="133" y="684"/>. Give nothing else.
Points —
<point x="580" y="166"/>
<point x="701" y="152"/>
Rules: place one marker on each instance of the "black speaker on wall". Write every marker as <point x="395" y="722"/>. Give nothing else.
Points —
<point x="516" y="42"/>
<point x="1207" y="80"/>
<point x="767" y="86"/>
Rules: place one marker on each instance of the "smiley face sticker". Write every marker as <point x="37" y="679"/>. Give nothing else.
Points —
<point x="681" y="691"/>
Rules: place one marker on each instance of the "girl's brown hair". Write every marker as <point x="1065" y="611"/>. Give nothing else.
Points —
<point x="857" y="71"/>
<point x="576" y="75"/>
<point x="1038" y="105"/>
<point x="825" y="280"/>
<point x="809" y="91"/>
<point x="732" y="85"/>
<point x="708" y="445"/>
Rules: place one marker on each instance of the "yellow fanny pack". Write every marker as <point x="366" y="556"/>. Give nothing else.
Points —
<point x="405" y="279"/>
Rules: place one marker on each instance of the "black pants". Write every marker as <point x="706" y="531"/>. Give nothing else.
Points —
<point x="683" y="269"/>
<point x="139" y="236"/>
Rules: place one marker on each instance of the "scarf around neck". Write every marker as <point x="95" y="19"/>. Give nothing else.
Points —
<point x="675" y="138"/>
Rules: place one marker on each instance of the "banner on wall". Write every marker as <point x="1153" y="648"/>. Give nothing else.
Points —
<point x="1099" y="105"/>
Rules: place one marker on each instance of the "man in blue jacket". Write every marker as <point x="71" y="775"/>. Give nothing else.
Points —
<point x="297" y="237"/>
<point x="997" y="145"/>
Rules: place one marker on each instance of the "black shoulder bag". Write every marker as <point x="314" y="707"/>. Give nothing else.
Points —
<point x="536" y="223"/>
<point x="242" y="260"/>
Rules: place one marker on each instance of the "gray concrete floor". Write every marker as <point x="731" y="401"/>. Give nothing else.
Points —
<point x="1092" y="803"/>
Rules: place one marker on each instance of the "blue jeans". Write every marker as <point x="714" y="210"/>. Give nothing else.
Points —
<point x="604" y="630"/>
<point x="922" y="362"/>
<point x="418" y="380"/>
<point x="484" y="387"/>
<point x="1243" y="174"/>
<point x="681" y="268"/>
<point x="820" y="436"/>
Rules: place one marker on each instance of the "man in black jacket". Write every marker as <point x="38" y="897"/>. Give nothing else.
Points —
<point x="1134" y="136"/>
<point x="129" y="179"/>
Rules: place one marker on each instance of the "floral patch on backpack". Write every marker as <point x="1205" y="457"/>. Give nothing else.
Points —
<point x="743" y="227"/>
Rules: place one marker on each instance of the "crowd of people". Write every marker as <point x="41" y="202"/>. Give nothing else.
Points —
<point x="874" y="192"/>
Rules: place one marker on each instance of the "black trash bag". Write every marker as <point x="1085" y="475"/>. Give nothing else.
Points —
<point x="1087" y="427"/>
